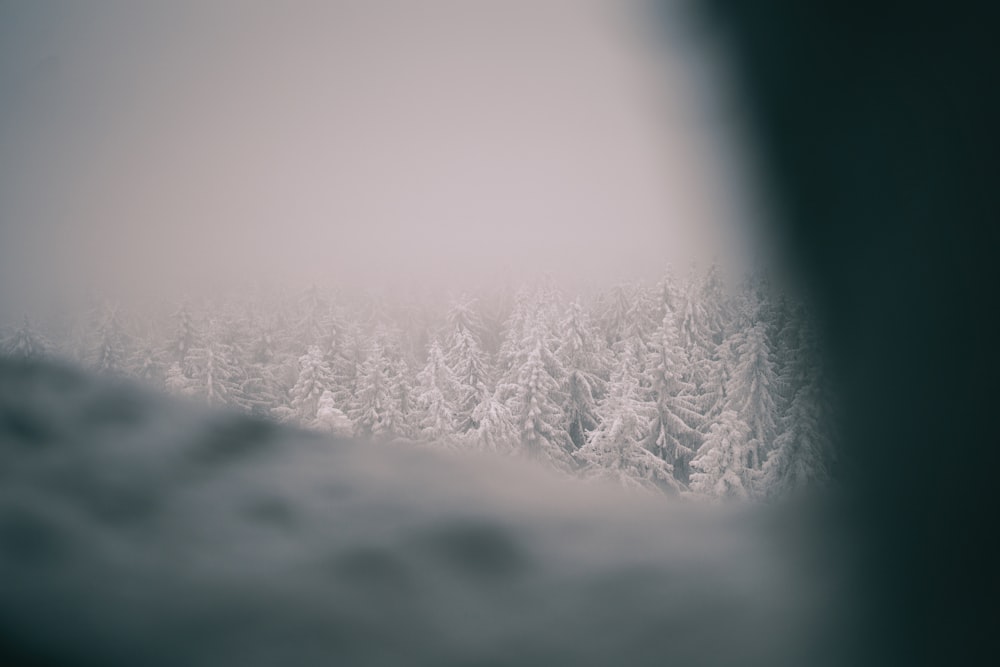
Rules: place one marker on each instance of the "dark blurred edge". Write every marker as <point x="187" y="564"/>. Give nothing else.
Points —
<point x="875" y="121"/>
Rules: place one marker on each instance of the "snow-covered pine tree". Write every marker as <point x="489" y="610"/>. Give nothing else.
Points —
<point x="330" y="419"/>
<point x="110" y="355"/>
<point x="375" y="411"/>
<point x="800" y="457"/>
<point x="347" y="366"/>
<point x="716" y="305"/>
<point x="148" y="365"/>
<point x="25" y="342"/>
<point x="750" y="390"/>
<point x="668" y="294"/>
<point x="713" y="398"/>
<point x="313" y="320"/>
<point x="398" y="422"/>
<point x="586" y="359"/>
<point x="215" y="378"/>
<point x="468" y="363"/>
<point x="536" y="407"/>
<point x="802" y="454"/>
<point x="720" y="469"/>
<point x="535" y="322"/>
<point x="512" y="354"/>
<point x="673" y="427"/>
<point x="615" y="450"/>
<point x="694" y="334"/>
<point x="615" y="308"/>
<point x="437" y="394"/>
<point x="176" y="382"/>
<point x="261" y="387"/>
<point x="186" y="337"/>
<point x="314" y="379"/>
<point x="495" y="430"/>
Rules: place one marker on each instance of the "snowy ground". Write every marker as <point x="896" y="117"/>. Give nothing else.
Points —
<point x="135" y="530"/>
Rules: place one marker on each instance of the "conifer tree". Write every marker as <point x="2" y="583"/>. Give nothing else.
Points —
<point x="468" y="363"/>
<point x="673" y="433"/>
<point x="214" y="375"/>
<point x="720" y="469"/>
<point x="25" y="343"/>
<point x="330" y="419"/>
<point x="148" y="365"/>
<point x="586" y="359"/>
<point x="800" y="457"/>
<point x="615" y="314"/>
<point x="437" y="394"/>
<point x="313" y="381"/>
<point x="110" y="354"/>
<point x="536" y="409"/>
<point x="495" y="430"/>
<point x="186" y="337"/>
<point x="397" y="424"/>
<point x="176" y="382"/>
<point x="750" y="390"/>
<point x="802" y="454"/>
<point x="376" y="411"/>
<point x="616" y="449"/>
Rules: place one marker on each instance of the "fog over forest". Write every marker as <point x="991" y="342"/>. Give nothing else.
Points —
<point x="180" y="149"/>
<point x="176" y="176"/>
<point x="379" y="332"/>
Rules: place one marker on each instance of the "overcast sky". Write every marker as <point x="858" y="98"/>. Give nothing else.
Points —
<point x="147" y="147"/>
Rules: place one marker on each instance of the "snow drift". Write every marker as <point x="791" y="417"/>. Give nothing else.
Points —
<point x="137" y="530"/>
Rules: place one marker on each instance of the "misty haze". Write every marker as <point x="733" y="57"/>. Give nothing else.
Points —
<point x="430" y="333"/>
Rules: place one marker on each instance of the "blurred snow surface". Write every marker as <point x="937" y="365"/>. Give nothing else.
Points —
<point x="140" y="530"/>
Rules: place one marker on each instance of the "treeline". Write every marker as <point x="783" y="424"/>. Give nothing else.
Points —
<point x="681" y="386"/>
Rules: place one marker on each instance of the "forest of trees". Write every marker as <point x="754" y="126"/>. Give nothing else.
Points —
<point x="683" y="386"/>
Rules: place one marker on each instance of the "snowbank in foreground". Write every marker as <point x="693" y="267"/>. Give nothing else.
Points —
<point x="135" y="530"/>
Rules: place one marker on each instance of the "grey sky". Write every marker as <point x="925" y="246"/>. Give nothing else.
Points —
<point x="148" y="147"/>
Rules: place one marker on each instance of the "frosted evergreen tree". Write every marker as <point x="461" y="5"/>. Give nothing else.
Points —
<point x="693" y="333"/>
<point x="641" y="323"/>
<point x="800" y="456"/>
<point x="436" y="396"/>
<point x="617" y="305"/>
<point x="586" y="359"/>
<point x="468" y="363"/>
<point x="632" y="329"/>
<point x="397" y="422"/>
<point x="376" y="412"/>
<point x="313" y="381"/>
<point x="537" y="412"/>
<point x="347" y="367"/>
<point x="802" y="453"/>
<point x="512" y="354"/>
<point x="548" y="308"/>
<point x="176" y="382"/>
<point x="495" y="430"/>
<point x="110" y="355"/>
<point x="616" y="449"/>
<point x="716" y="306"/>
<point x="673" y="433"/>
<point x="751" y="387"/>
<point x="262" y="388"/>
<point x="25" y="343"/>
<point x="313" y="321"/>
<point x="148" y="365"/>
<point x="720" y="469"/>
<point x="330" y="419"/>
<point x="215" y="378"/>
<point x="668" y="295"/>
<point x="713" y="398"/>
<point x="535" y="326"/>
<point x="186" y="337"/>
